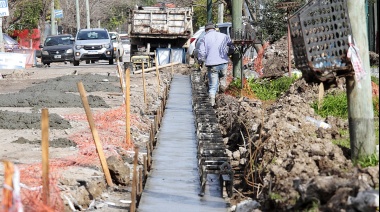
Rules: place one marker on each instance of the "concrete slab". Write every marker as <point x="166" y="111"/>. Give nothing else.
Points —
<point x="173" y="183"/>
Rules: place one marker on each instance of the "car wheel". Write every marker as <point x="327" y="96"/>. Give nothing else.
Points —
<point x="110" y="61"/>
<point x="48" y="64"/>
<point x="93" y="61"/>
<point x="76" y="62"/>
<point x="87" y="61"/>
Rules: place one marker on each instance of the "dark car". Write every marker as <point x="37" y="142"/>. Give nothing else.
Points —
<point x="57" y="48"/>
<point x="10" y="44"/>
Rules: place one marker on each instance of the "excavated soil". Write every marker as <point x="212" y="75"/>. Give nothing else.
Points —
<point x="279" y="159"/>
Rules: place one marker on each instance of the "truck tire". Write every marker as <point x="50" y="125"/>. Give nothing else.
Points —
<point x="76" y="62"/>
<point x="87" y="61"/>
<point x="110" y="61"/>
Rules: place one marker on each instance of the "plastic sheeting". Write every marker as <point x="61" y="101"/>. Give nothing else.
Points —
<point x="169" y="55"/>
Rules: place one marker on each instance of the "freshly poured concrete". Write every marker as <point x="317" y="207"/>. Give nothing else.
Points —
<point x="173" y="182"/>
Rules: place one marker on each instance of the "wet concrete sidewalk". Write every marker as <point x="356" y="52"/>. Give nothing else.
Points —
<point x="173" y="183"/>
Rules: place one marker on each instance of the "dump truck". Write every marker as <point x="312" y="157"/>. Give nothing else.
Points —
<point x="158" y="27"/>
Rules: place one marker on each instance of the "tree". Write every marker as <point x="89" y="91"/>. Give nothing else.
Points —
<point x="272" y="20"/>
<point x="200" y="12"/>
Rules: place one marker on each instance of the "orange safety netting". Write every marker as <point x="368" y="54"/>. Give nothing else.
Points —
<point x="32" y="197"/>
<point x="111" y="128"/>
<point x="258" y="62"/>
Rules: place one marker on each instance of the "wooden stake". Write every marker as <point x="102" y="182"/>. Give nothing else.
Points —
<point x="94" y="133"/>
<point x="153" y="68"/>
<point x="134" y="181"/>
<point x="140" y="181"/>
<point x="143" y="78"/>
<point x="8" y="185"/>
<point x="128" y="108"/>
<point x="172" y="69"/>
<point x="45" y="155"/>
<point x="158" y="118"/>
<point x="145" y="166"/>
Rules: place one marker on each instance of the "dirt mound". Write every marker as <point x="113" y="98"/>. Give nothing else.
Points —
<point x="57" y="92"/>
<point x="275" y="59"/>
<point x="30" y="121"/>
<point x="271" y="145"/>
<point x="59" y="143"/>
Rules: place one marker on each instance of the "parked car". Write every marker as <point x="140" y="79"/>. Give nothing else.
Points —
<point x="193" y="40"/>
<point x="198" y="44"/>
<point x="92" y="45"/>
<point x="57" y="48"/>
<point x="224" y="28"/>
<point x="10" y="44"/>
<point x="118" y="49"/>
<point x="126" y="43"/>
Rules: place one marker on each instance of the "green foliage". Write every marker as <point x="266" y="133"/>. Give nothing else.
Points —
<point x="377" y="131"/>
<point x="117" y="16"/>
<point x="275" y="196"/>
<point x="367" y="161"/>
<point x="270" y="89"/>
<point x="336" y="105"/>
<point x="343" y="142"/>
<point x="27" y="15"/>
<point x="149" y="2"/>
<point x="200" y="13"/>
<point x="236" y="83"/>
<point x="273" y="21"/>
<point x="375" y="102"/>
<point x="375" y="80"/>
<point x="333" y="105"/>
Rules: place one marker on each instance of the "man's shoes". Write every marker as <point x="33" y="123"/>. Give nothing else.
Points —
<point x="212" y="101"/>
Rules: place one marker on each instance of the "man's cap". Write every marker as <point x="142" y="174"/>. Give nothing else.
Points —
<point x="209" y="26"/>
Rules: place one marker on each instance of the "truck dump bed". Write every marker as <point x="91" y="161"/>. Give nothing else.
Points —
<point x="157" y="22"/>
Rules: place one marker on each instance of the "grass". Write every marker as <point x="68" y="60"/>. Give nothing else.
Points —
<point x="336" y="105"/>
<point x="375" y="80"/>
<point x="270" y="89"/>
<point x="275" y="196"/>
<point x="367" y="161"/>
<point x="333" y="105"/>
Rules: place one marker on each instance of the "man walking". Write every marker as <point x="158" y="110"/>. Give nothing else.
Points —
<point x="213" y="53"/>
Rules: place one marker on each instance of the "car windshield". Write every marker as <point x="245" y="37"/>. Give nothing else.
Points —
<point x="54" y="41"/>
<point x="9" y="40"/>
<point x="91" y="35"/>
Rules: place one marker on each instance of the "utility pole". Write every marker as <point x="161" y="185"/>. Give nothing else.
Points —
<point x="237" y="6"/>
<point x="52" y="19"/>
<point x="78" y="14"/>
<point x="359" y="94"/>
<point x="220" y="12"/>
<point x="88" y="14"/>
<point x="209" y="11"/>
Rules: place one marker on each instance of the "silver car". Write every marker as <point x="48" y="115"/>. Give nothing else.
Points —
<point x="118" y="48"/>
<point x="92" y="45"/>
